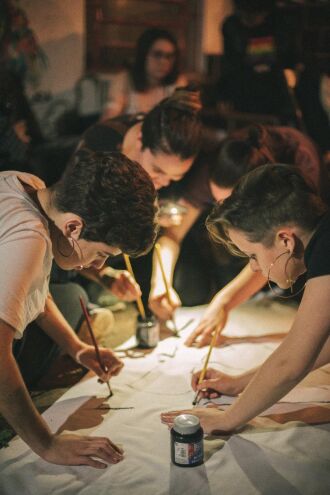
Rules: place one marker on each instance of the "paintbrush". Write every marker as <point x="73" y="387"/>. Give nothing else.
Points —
<point x="167" y="289"/>
<point x="139" y="300"/>
<point x="203" y="372"/>
<point x="97" y="352"/>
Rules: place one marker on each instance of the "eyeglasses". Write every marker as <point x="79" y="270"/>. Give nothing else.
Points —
<point x="158" y="54"/>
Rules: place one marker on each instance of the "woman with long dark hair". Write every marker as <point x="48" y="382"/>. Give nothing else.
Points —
<point x="153" y="77"/>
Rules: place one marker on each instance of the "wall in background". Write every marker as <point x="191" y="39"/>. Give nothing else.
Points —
<point x="59" y="26"/>
<point x="214" y="13"/>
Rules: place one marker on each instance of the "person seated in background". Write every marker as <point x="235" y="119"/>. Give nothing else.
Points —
<point x="213" y="179"/>
<point x="259" y="44"/>
<point x="153" y="77"/>
<point x="275" y="220"/>
<point x="103" y="206"/>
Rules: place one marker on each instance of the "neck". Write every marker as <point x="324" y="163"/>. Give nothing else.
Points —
<point x="132" y="139"/>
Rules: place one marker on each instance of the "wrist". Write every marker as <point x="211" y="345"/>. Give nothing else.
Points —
<point x="77" y="349"/>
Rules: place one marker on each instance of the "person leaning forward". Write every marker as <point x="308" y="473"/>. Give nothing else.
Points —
<point x="103" y="206"/>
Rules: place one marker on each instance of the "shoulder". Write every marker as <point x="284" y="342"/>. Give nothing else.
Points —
<point x="196" y="187"/>
<point x="104" y="136"/>
<point x="317" y="254"/>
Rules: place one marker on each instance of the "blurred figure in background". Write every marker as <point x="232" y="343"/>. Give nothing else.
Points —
<point x="153" y="77"/>
<point x="259" y="43"/>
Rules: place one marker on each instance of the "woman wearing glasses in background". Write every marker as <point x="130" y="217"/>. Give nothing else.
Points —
<point x="153" y="77"/>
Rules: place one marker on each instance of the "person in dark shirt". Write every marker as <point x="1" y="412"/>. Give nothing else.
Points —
<point x="212" y="178"/>
<point x="275" y="220"/>
<point x="259" y="43"/>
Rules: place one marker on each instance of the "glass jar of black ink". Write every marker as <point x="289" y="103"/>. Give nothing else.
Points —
<point x="147" y="331"/>
<point x="187" y="448"/>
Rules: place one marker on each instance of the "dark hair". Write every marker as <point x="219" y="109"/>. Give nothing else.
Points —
<point x="173" y="126"/>
<point x="115" y="198"/>
<point x="144" y="44"/>
<point x="263" y="200"/>
<point x="254" y="6"/>
<point x="243" y="151"/>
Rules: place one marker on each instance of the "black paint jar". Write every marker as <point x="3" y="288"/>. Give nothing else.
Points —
<point x="147" y="332"/>
<point x="187" y="448"/>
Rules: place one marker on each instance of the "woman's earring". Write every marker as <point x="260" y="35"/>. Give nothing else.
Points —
<point x="288" y="278"/>
<point x="71" y="244"/>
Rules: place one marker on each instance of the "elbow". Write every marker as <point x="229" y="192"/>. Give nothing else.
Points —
<point x="291" y="373"/>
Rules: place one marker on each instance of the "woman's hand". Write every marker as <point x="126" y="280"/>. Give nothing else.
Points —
<point x="124" y="286"/>
<point x="161" y="306"/>
<point x="111" y="363"/>
<point x="74" y="450"/>
<point x="214" y="319"/>
<point x="216" y="383"/>
<point x="212" y="419"/>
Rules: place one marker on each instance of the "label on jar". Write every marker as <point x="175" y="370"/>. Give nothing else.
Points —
<point x="149" y="336"/>
<point x="188" y="453"/>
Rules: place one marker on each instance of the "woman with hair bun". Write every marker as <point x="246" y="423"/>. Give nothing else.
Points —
<point x="257" y="145"/>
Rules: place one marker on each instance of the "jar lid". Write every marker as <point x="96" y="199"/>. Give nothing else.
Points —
<point x="186" y="424"/>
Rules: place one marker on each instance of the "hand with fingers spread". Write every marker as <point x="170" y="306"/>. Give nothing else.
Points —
<point x="216" y="383"/>
<point x="161" y="306"/>
<point x="212" y="420"/>
<point x="74" y="450"/>
<point x="87" y="357"/>
<point x="215" y="317"/>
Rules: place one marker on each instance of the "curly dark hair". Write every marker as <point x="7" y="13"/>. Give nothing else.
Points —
<point x="263" y="200"/>
<point x="144" y="44"/>
<point x="115" y="198"/>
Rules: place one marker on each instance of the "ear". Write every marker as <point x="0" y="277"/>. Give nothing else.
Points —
<point x="73" y="227"/>
<point x="138" y="142"/>
<point x="287" y="239"/>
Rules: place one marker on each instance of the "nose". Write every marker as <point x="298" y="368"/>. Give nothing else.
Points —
<point x="163" y="180"/>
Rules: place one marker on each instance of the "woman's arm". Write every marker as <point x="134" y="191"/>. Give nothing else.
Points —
<point x="18" y="409"/>
<point x="305" y="347"/>
<point x="239" y="290"/>
<point x="170" y="249"/>
<point x="293" y="359"/>
<point x="57" y="328"/>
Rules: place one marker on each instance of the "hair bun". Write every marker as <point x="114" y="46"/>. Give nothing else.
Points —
<point x="186" y="99"/>
<point x="255" y="136"/>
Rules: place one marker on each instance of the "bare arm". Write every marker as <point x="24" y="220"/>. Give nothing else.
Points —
<point x="305" y="347"/>
<point x="57" y="328"/>
<point x="18" y="409"/>
<point x="170" y="249"/>
<point x="239" y="290"/>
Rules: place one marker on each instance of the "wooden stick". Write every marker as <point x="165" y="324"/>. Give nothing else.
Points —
<point x="203" y="372"/>
<point x="97" y="352"/>
<point x="167" y="289"/>
<point x="139" y="300"/>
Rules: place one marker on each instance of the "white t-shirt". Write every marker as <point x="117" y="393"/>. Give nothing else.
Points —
<point x="25" y="252"/>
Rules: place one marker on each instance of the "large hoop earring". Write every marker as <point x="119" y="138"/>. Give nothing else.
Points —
<point x="288" y="278"/>
<point x="58" y="247"/>
<point x="80" y="254"/>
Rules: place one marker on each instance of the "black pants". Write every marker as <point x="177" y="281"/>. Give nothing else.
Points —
<point x="35" y="351"/>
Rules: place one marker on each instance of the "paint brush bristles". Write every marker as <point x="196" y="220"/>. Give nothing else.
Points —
<point x="203" y="372"/>
<point x="139" y="300"/>
<point x="97" y="352"/>
<point x="167" y="289"/>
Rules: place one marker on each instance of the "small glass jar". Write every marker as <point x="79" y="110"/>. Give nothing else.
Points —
<point x="147" y="332"/>
<point x="187" y="449"/>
